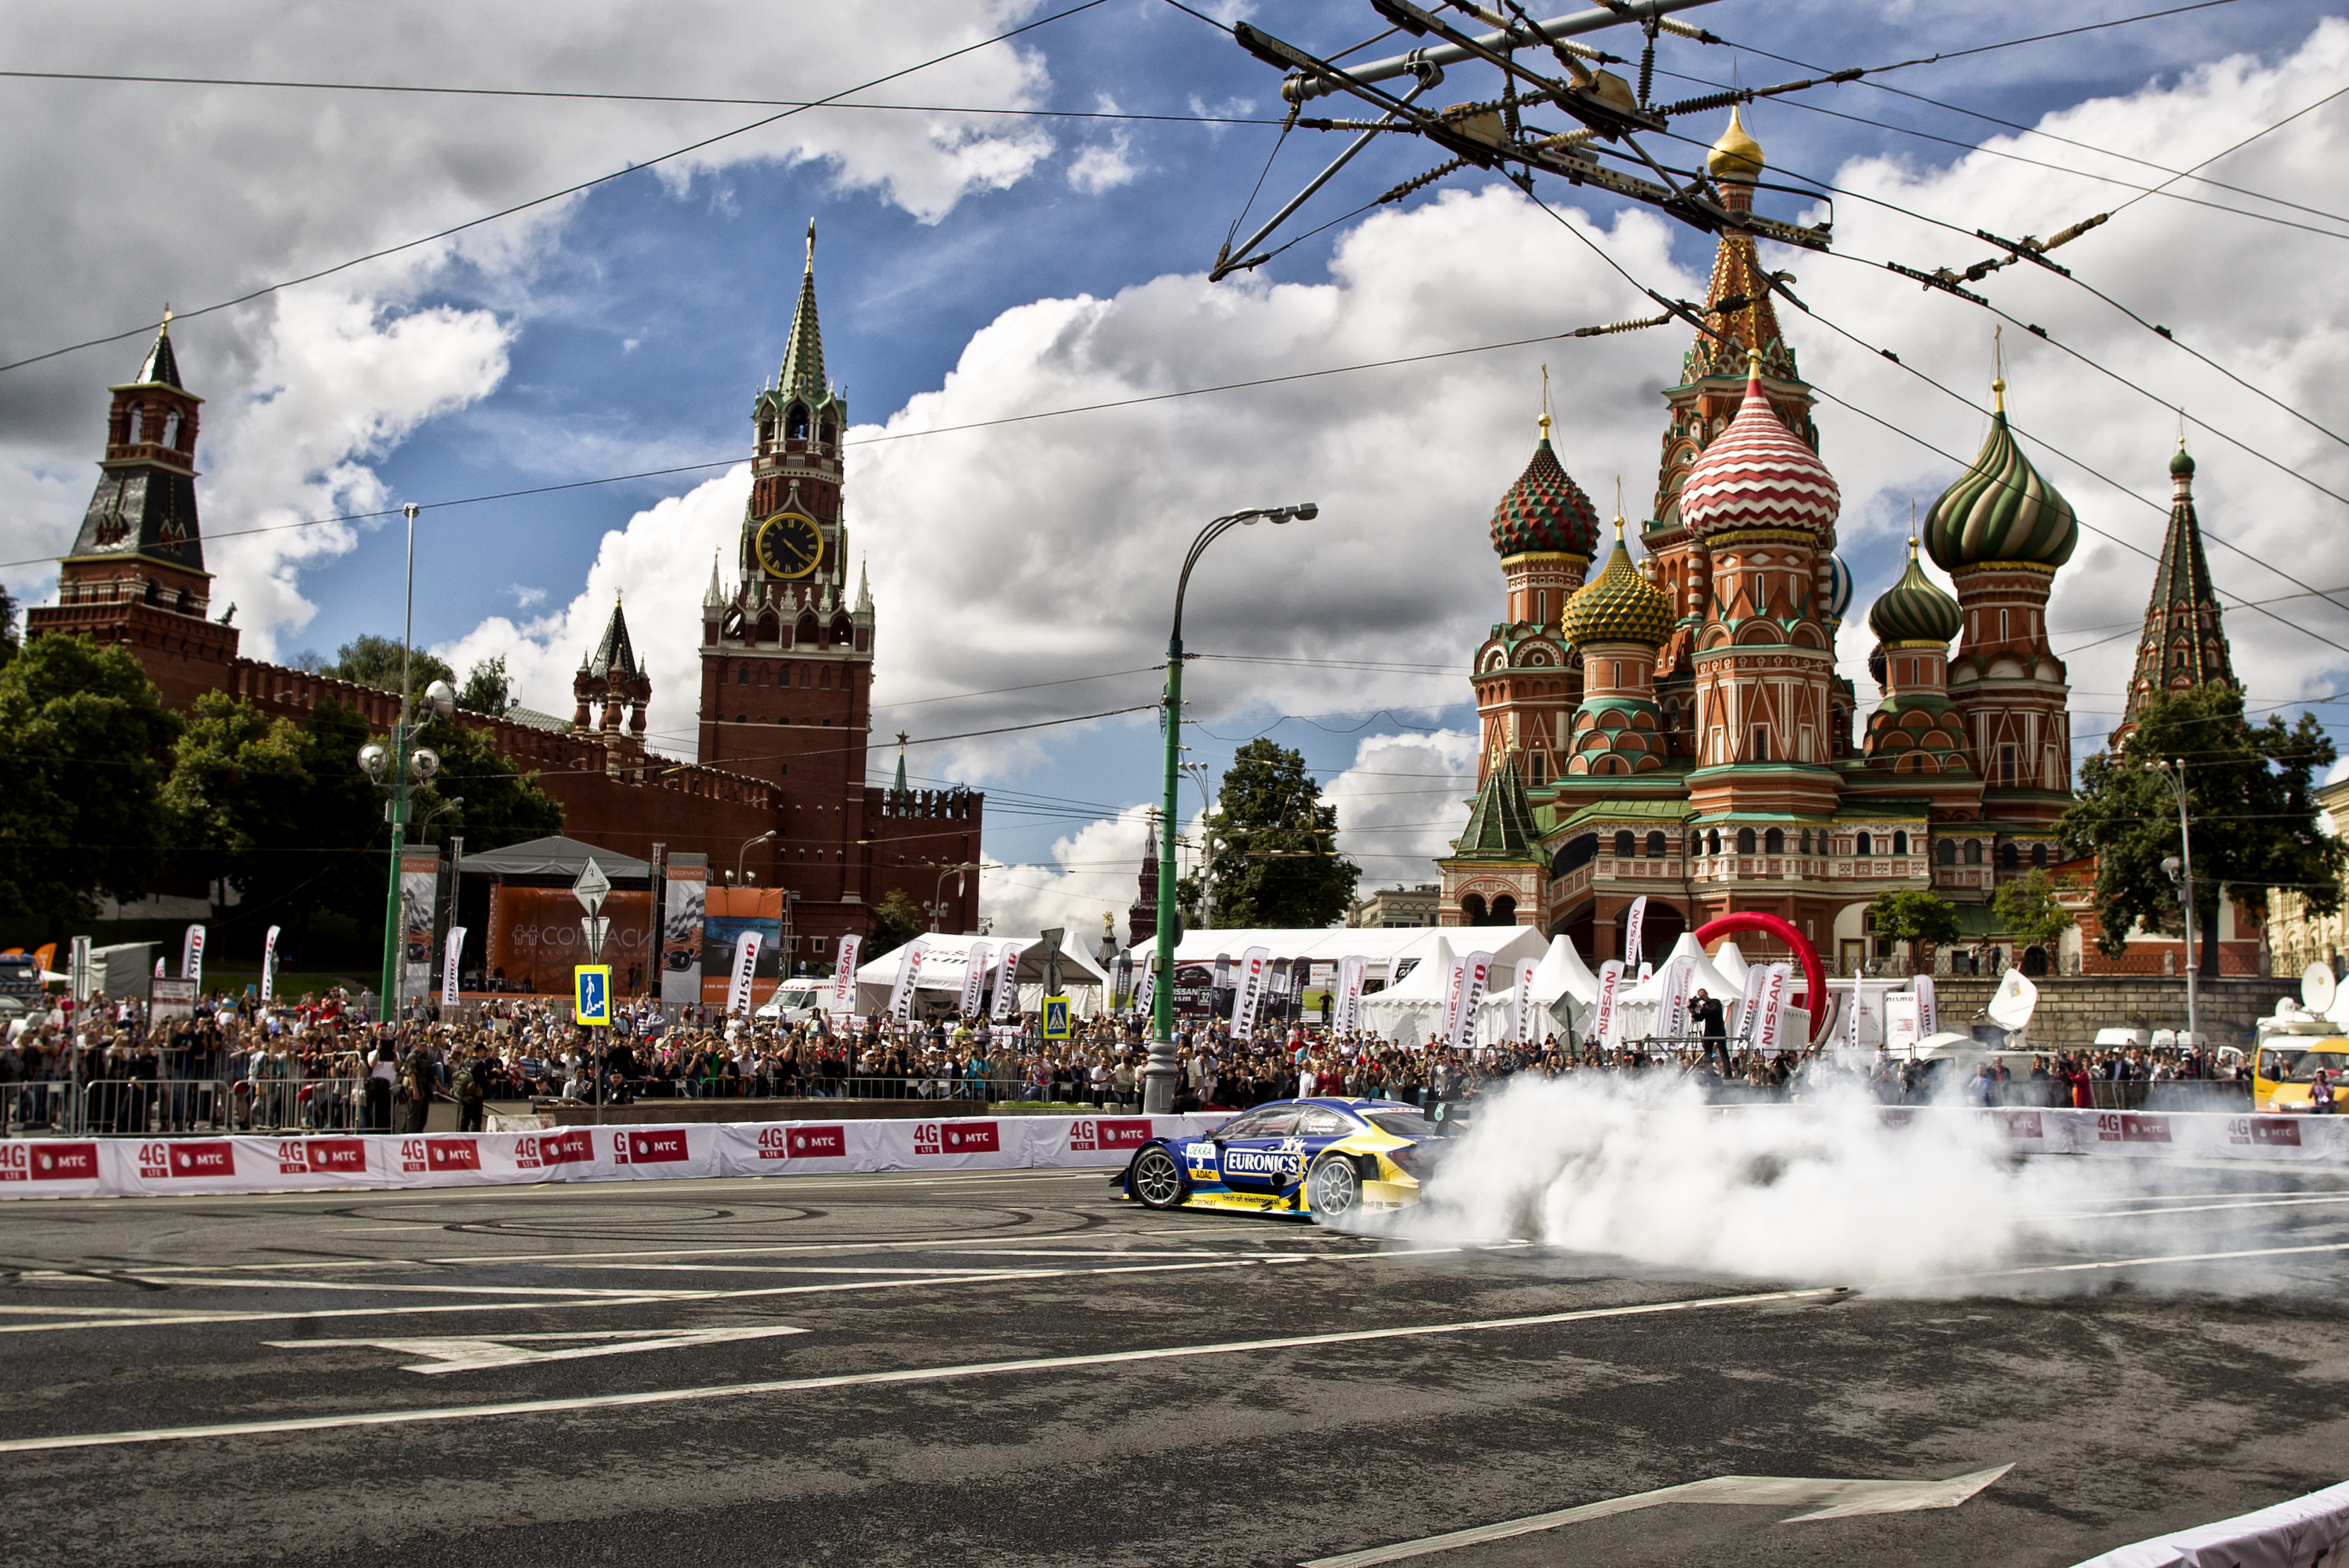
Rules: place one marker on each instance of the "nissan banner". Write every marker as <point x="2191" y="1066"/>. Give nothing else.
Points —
<point x="1476" y="972"/>
<point x="1602" y="1011"/>
<point x="843" y="977"/>
<point x="1636" y="918"/>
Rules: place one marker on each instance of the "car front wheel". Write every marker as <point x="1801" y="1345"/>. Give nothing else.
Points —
<point x="1157" y="1179"/>
<point x="1334" y="1188"/>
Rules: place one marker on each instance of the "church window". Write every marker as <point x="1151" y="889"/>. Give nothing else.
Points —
<point x="1761" y="745"/>
<point x="1505" y="910"/>
<point x="1774" y="841"/>
<point x="2006" y="767"/>
<point x="1946" y="852"/>
<point x="767" y="431"/>
<point x="2039" y="857"/>
<point x="2008" y="858"/>
<point x="741" y="718"/>
<point x="1712" y="841"/>
<point x="784" y="720"/>
<point x="1745" y="841"/>
<point x="795" y="423"/>
<point x="2002" y="625"/>
<point x="742" y="675"/>
<point x="1803" y="841"/>
<point x="1867" y="844"/>
<point x="171" y="430"/>
<point x="1538" y="759"/>
<point x="1973" y="851"/>
<point x="1541" y="605"/>
<point x="1900" y="843"/>
<point x="1623" y="849"/>
<point x="1656" y="850"/>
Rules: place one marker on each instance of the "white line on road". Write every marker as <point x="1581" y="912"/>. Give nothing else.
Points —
<point x="854" y="1380"/>
<point x="2194" y="1209"/>
<point x="2125" y="1264"/>
<point x="1828" y="1498"/>
<point x="451" y="1353"/>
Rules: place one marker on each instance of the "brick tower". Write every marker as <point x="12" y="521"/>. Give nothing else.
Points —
<point x="135" y="576"/>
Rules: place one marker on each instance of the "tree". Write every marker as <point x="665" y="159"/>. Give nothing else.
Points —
<point x="1273" y="865"/>
<point x="8" y="640"/>
<point x="503" y="804"/>
<point x="235" y="795"/>
<point x="2251" y="794"/>
<point x="372" y="660"/>
<point x="1914" y="915"/>
<point x="488" y="688"/>
<point x="896" y="921"/>
<point x="84" y="739"/>
<point x="2027" y="907"/>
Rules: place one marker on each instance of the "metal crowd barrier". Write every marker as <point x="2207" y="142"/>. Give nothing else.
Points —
<point x="141" y="1107"/>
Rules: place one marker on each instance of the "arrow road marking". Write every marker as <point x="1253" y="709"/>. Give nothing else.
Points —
<point x="1828" y="1499"/>
<point x="449" y="1353"/>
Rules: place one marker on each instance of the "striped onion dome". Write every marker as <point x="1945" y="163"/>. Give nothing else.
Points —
<point x="1546" y="510"/>
<point x="1619" y="604"/>
<point x="2001" y="509"/>
<point x="1913" y="609"/>
<point x="1839" y="589"/>
<point x="1757" y="474"/>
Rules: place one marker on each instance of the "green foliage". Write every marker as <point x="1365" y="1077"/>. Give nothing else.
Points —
<point x="488" y="688"/>
<point x="235" y="792"/>
<point x="2027" y="908"/>
<point x="1914" y="915"/>
<point x="2251" y="794"/>
<point x="372" y="660"/>
<point x="503" y="804"/>
<point x="9" y="636"/>
<point x="84" y="737"/>
<point x="1272" y="865"/>
<point x="896" y="921"/>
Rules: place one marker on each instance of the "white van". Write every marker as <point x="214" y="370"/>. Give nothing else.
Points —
<point x="795" y="1001"/>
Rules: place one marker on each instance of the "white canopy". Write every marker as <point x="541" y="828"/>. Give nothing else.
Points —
<point x="1383" y="946"/>
<point x="945" y="961"/>
<point x="1731" y="963"/>
<point x="1562" y="973"/>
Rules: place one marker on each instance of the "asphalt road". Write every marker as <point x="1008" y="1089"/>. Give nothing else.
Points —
<point x="1017" y="1369"/>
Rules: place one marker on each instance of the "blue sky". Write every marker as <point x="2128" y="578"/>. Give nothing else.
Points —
<point x="628" y="329"/>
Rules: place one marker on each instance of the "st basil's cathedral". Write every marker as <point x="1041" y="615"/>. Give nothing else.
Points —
<point x="1674" y="726"/>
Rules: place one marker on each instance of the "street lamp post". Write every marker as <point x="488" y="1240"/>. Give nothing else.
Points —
<point x="1198" y="773"/>
<point x="938" y="893"/>
<point x="1158" y="1077"/>
<point x="2180" y="868"/>
<point x="746" y="849"/>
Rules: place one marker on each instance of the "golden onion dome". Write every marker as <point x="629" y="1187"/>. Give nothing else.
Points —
<point x="1737" y="156"/>
<point x="1619" y="604"/>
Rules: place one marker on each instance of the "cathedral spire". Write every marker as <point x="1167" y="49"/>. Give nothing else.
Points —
<point x="2184" y="645"/>
<point x="803" y="354"/>
<point x="162" y="366"/>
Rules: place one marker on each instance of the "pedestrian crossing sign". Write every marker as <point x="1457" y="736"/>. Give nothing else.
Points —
<point x="1056" y="1018"/>
<point x="590" y="993"/>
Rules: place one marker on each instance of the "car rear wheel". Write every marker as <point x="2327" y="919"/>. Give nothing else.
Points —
<point x="1157" y="1179"/>
<point x="1334" y="1187"/>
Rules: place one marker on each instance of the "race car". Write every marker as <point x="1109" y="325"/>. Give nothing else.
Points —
<point x="1325" y="1157"/>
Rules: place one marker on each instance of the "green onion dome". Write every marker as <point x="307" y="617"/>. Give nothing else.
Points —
<point x="1545" y="510"/>
<point x="2001" y="509"/>
<point x="2181" y="466"/>
<point x="1913" y="609"/>
<point x="1619" y="604"/>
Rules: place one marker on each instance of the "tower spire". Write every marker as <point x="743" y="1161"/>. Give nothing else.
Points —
<point x="900" y="785"/>
<point x="803" y="353"/>
<point x="2184" y="645"/>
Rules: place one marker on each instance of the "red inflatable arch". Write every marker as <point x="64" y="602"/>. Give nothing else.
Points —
<point x="1755" y="920"/>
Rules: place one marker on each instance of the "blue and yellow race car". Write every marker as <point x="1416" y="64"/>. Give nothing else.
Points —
<point x="1325" y="1157"/>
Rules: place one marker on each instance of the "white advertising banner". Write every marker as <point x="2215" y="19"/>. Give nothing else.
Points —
<point x="746" y="966"/>
<point x="1749" y="1007"/>
<point x="191" y="957"/>
<point x="59" y="1167"/>
<point x="1603" y="1018"/>
<point x="1929" y="1015"/>
<point x="1769" y="1035"/>
<point x="269" y="965"/>
<point x="1146" y="987"/>
<point x="1521" y="1003"/>
<point x="1900" y="1020"/>
<point x="685" y="910"/>
<point x="843" y="1003"/>
<point x="1476" y="972"/>
<point x="974" y="979"/>
<point x="420" y="892"/>
<point x="1249" y="989"/>
<point x="1672" y="1007"/>
<point x="1006" y="1005"/>
<point x="1634" y="921"/>
<point x="1346" y="1017"/>
<point x="909" y="968"/>
<point x="449" y="961"/>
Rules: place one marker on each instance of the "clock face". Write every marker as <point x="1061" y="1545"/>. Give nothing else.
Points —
<point x="789" y="544"/>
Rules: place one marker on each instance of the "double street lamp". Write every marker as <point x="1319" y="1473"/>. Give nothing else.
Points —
<point x="1158" y="1076"/>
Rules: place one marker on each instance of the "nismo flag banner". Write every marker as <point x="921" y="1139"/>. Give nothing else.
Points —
<point x="843" y="1001"/>
<point x="1476" y="977"/>
<point x="974" y="977"/>
<point x="1749" y="1005"/>
<point x="449" y="966"/>
<point x="1928" y="1017"/>
<point x="1250" y="989"/>
<point x="1145" y="990"/>
<point x="746" y="964"/>
<point x="1007" y="984"/>
<point x="191" y="957"/>
<point x="1673" y="1004"/>
<point x="1521" y="1003"/>
<point x="909" y="968"/>
<point x="269" y="965"/>
<point x="1346" y="1016"/>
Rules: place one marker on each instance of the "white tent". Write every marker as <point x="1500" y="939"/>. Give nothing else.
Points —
<point x="1731" y="963"/>
<point x="945" y="961"/>
<point x="1637" y="1006"/>
<point x="1562" y="973"/>
<point x="1383" y="946"/>
<point x="1413" y="1009"/>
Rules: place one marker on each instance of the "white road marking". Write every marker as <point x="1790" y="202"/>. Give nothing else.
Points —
<point x="234" y="1285"/>
<point x="2193" y="1208"/>
<point x="857" y="1379"/>
<point x="455" y="1355"/>
<point x="2127" y="1264"/>
<point x="1834" y="1500"/>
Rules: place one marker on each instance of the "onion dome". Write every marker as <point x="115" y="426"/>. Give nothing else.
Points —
<point x="1757" y="474"/>
<point x="1913" y="609"/>
<point x="1545" y="510"/>
<point x="2181" y="466"/>
<point x="2001" y="509"/>
<point x="1737" y="156"/>
<point x="1619" y="604"/>
<point x="1839" y="586"/>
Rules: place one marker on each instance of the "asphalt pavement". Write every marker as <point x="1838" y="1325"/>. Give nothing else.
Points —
<point x="1017" y="1368"/>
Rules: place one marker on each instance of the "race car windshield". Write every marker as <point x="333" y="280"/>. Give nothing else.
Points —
<point x="1402" y="1123"/>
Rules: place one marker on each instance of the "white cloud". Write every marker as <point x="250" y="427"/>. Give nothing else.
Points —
<point x="1401" y="804"/>
<point x="1092" y="872"/>
<point x="1104" y="165"/>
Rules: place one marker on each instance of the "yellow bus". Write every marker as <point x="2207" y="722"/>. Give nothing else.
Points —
<point x="2286" y="1069"/>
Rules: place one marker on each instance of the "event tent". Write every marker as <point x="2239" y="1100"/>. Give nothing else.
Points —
<point x="1382" y="946"/>
<point x="1562" y="976"/>
<point x="556" y="857"/>
<point x="945" y="961"/>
